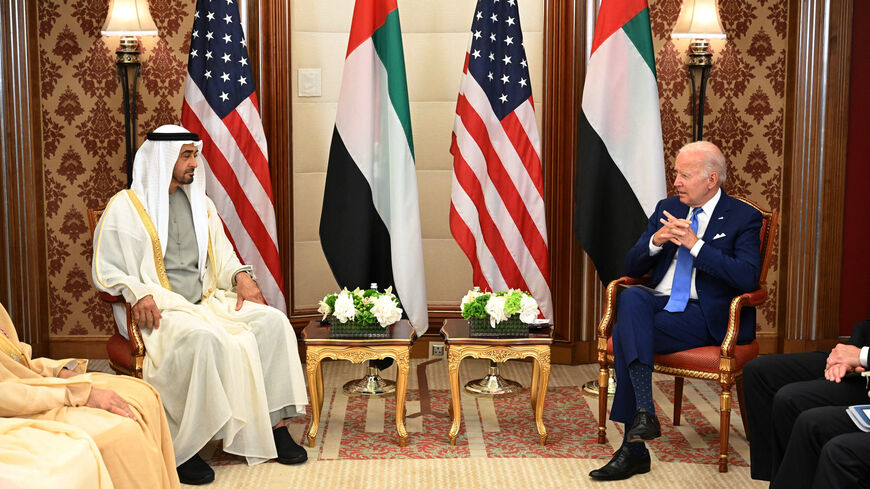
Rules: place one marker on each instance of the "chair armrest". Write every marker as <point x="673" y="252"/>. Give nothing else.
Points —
<point x="754" y="298"/>
<point x="111" y="299"/>
<point x="606" y="324"/>
<point x="137" y="346"/>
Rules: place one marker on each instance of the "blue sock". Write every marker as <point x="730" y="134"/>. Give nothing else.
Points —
<point x="637" y="448"/>
<point x="641" y="380"/>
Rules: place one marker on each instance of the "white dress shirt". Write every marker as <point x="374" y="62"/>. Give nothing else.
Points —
<point x="667" y="282"/>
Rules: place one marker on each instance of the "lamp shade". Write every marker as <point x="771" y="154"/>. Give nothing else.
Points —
<point x="699" y="19"/>
<point x="129" y="18"/>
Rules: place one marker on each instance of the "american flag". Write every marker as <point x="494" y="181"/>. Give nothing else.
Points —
<point x="497" y="199"/>
<point x="220" y="104"/>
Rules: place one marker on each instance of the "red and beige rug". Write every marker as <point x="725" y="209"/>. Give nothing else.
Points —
<point x="356" y="445"/>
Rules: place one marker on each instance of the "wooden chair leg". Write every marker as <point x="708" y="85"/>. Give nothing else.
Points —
<point x="742" y="405"/>
<point x="678" y="399"/>
<point x="603" y="379"/>
<point x="724" y="426"/>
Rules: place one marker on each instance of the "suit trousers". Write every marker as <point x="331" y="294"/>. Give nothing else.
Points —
<point x="778" y="389"/>
<point x="643" y="328"/>
<point x="826" y="451"/>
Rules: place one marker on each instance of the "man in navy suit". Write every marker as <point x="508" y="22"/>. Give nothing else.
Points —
<point x="701" y="248"/>
<point x="800" y="433"/>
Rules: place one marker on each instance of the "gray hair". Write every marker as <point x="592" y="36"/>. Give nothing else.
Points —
<point x="711" y="157"/>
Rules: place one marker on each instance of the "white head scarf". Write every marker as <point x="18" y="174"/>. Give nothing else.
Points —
<point x="152" y="174"/>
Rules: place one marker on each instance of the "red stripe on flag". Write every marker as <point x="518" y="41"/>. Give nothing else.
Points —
<point x="612" y="15"/>
<point x="368" y="16"/>
<point x="491" y="234"/>
<point x="223" y="172"/>
<point x="507" y="222"/>
<point x="516" y="133"/>
<point x="249" y="147"/>
<point x="465" y="239"/>
<point x="504" y="185"/>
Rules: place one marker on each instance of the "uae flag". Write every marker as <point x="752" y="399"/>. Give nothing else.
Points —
<point x="370" y="223"/>
<point x="620" y="164"/>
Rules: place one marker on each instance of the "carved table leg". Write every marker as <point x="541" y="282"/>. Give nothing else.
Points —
<point x="453" y="359"/>
<point x="312" y="364"/>
<point x="533" y="390"/>
<point x="320" y="385"/>
<point x="403" y="366"/>
<point x="543" y="365"/>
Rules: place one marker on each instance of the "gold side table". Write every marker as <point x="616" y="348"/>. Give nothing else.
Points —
<point x="459" y="345"/>
<point x="319" y="345"/>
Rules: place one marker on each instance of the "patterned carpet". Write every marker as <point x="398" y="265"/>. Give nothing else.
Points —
<point x="497" y="445"/>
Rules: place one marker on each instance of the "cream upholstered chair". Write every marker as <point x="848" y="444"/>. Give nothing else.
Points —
<point x="126" y="356"/>
<point x="723" y="363"/>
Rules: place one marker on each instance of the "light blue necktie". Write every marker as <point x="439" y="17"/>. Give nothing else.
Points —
<point x="683" y="273"/>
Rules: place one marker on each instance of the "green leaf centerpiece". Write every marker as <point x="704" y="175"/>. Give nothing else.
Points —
<point x="504" y="313"/>
<point x="361" y="313"/>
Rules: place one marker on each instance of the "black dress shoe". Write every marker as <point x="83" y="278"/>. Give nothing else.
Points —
<point x="622" y="466"/>
<point x="195" y="472"/>
<point x="289" y="452"/>
<point x="644" y="427"/>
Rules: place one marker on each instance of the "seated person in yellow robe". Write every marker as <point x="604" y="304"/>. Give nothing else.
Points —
<point x="75" y="461"/>
<point x="122" y="415"/>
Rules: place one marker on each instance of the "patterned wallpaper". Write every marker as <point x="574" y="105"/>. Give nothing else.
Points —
<point x="83" y="141"/>
<point x="745" y="100"/>
<point x="83" y="135"/>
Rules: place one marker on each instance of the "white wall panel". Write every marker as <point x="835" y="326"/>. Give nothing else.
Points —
<point x="435" y="36"/>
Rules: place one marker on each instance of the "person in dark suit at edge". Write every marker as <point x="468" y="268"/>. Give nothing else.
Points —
<point x="702" y="248"/>
<point x="799" y="432"/>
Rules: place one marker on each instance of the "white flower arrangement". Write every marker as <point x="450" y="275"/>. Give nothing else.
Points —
<point x="499" y="306"/>
<point x="362" y="306"/>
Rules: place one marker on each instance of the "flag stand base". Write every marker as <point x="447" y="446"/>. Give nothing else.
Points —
<point x="591" y="387"/>
<point x="493" y="385"/>
<point x="371" y="385"/>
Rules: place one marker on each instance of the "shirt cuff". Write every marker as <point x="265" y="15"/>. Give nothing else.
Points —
<point x="697" y="248"/>
<point x="247" y="269"/>
<point x="653" y="249"/>
<point x="864" y="352"/>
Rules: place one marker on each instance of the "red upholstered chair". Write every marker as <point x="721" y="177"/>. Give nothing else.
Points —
<point x="723" y="363"/>
<point x="125" y="356"/>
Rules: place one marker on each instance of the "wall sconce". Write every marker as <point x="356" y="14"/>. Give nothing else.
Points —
<point x="128" y="19"/>
<point x="699" y="21"/>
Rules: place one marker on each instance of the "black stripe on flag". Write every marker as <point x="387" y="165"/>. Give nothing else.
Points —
<point x="355" y="240"/>
<point x="609" y="218"/>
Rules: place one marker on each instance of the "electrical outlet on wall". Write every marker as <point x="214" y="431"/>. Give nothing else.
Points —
<point x="309" y="82"/>
<point x="436" y="349"/>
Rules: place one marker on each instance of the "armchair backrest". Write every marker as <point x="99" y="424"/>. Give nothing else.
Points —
<point x="768" y="232"/>
<point x="126" y="352"/>
<point x="93" y="218"/>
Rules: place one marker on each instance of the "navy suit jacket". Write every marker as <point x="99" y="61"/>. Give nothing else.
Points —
<point x="726" y="266"/>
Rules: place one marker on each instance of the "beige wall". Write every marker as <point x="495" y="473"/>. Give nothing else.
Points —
<point x="435" y="36"/>
<point x="81" y="97"/>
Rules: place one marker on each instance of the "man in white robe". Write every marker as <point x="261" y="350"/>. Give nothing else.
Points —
<point x="225" y="364"/>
